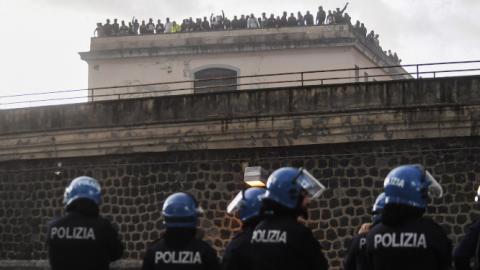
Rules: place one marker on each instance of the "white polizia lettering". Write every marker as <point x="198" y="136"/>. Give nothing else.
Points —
<point x="362" y="243"/>
<point x="400" y="240"/>
<point x="82" y="233"/>
<point x="395" y="181"/>
<point x="178" y="257"/>
<point x="269" y="236"/>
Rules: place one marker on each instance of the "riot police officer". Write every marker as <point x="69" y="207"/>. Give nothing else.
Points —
<point x="178" y="247"/>
<point x="247" y="204"/>
<point x="469" y="246"/>
<point x="279" y="241"/>
<point x="82" y="239"/>
<point x="405" y="239"/>
<point x="356" y="258"/>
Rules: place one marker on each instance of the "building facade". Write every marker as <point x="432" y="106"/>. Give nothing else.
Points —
<point x="183" y="63"/>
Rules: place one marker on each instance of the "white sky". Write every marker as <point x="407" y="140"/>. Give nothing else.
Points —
<point x="41" y="38"/>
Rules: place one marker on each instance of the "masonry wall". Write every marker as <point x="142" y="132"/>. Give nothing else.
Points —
<point x="347" y="135"/>
<point x="135" y="185"/>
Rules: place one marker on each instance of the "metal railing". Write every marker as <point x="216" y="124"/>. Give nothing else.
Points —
<point x="262" y="81"/>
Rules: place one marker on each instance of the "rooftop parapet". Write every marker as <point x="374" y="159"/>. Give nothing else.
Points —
<point x="245" y="40"/>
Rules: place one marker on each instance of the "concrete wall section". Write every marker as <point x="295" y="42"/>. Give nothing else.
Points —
<point x="181" y="68"/>
<point x="433" y="108"/>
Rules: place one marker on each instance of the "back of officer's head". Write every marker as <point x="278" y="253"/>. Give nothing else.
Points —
<point x="406" y="194"/>
<point x="83" y="195"/>
<point x="284" y="195"/>
<point x="180" y="214"/>
<point x="378" y="207"/>
<point x="250" y="211"/>
<point x="247" y="203"/>
<point x="180" y="210"/>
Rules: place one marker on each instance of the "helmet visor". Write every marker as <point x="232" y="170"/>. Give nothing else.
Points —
<point x="379" y="204"/>
<point x="310" y="184"/>
<point x="235" y="204"/>
<point x="434" y="189"/>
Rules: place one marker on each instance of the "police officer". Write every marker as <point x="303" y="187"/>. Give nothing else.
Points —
<point x="178" y="248"/>
<point x="247" y="204"/>
<point x="356" y="258"/>
<point x="469" y="246"/>
<point x="82" y="239"/>
<point x="279" y="241"/>
<point x="405" y="239"/>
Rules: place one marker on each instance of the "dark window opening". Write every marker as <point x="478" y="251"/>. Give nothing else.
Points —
<point x="225" y="80"/>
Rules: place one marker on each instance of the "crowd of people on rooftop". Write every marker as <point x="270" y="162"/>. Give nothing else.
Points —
<point x="373" y="39"/>
<point x="222" y="23"/>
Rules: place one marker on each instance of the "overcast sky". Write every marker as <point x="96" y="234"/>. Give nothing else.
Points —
<point x="41" y="38"/>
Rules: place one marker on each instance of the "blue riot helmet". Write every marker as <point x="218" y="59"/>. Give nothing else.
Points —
<point x="247" y="203"/>
<point x="82" y="187"/>
<point x="378" y="207"/>
<point x="287" y="184"/>
<point x="180" y="210"/>
<point x="411" y="185"/>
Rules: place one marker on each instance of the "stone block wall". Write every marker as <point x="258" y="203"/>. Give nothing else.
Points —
<point x="135" y="186"/>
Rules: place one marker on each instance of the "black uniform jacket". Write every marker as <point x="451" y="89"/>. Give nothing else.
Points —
<point x="418" y="243"/>
<point x="280" y="242"/>
<point x="238" y="252"/>
<point x="356" y="258"/>
<point x="79" y="241"/>
<point x="194" y="255"/>
<point x="469" y="247"/>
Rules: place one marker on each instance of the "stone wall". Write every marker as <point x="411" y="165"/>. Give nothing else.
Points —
<point x="141" y="150"/>
<point x="135" y="185"/>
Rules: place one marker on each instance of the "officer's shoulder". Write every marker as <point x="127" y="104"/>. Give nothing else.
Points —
<point x="106" y="223"/>
<point x="475" y="225"/>
<point x="431" y="224"/>
<point x="300" y="230"/>
<point x="155" y="244"/>
<point x="203" y="244"/>
<point x="239" y="239"/>
<point x="359" y="236"/>
<point x="377" y="228"/>
<point x="303" y="228"/>
<point x="242" y="234"/>
<point x="56" y="221"/>
<point x="428" y="221"/>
